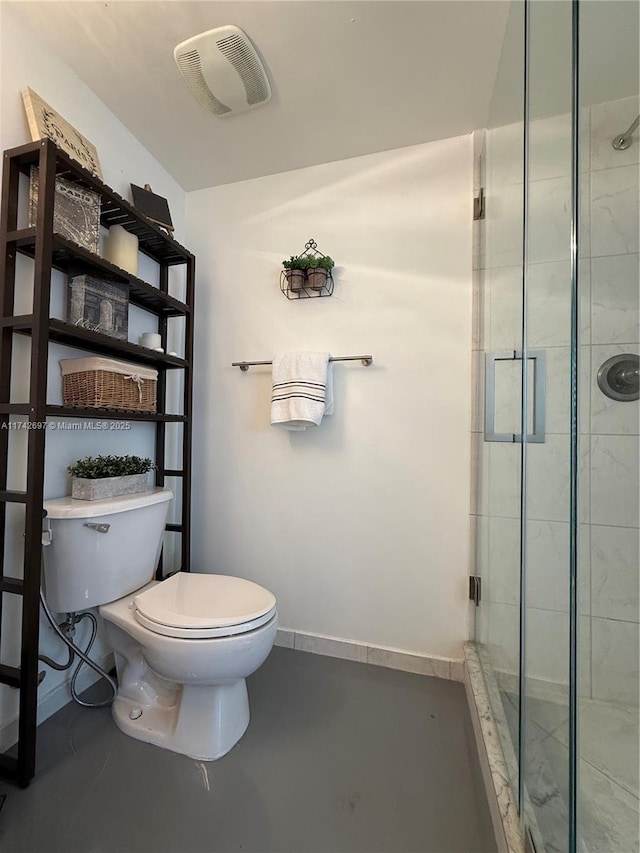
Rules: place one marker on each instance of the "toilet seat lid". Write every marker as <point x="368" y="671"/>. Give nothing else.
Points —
<point x="200" y="605"/>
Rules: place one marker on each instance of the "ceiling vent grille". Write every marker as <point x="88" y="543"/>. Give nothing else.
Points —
<point x="223" y="71"/>
<point x="191" y="68"/>
<point x="245" y="60"/>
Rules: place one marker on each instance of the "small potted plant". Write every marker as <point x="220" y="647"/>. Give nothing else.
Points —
<point x="294" y="271"/>
<point x="318" y="270"/>
<point x="109" y="476"/>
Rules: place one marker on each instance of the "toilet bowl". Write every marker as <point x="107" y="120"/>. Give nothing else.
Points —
<point x="184" y="646"/>
<point x="181" y="674"/>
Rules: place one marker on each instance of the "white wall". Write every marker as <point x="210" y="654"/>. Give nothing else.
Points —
<point x="360" y="526"/>
<point x="25" y="62"/>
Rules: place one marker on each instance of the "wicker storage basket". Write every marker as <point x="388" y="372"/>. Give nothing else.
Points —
<point x="104" y="383"/>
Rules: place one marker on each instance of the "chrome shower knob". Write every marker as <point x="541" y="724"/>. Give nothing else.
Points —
<point x="619" y="377"/>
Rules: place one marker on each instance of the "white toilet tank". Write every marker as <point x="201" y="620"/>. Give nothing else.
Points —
<point x="102" y="550"/>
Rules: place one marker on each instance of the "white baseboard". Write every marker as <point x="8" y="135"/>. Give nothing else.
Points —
<point x="54" y="700"/>
<point x="338" y="647"/>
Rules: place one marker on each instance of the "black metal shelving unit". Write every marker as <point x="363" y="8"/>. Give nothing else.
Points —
<point x="49" y="251"/>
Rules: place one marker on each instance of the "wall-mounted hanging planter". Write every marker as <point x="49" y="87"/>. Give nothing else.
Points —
<point x="308" y="274"/>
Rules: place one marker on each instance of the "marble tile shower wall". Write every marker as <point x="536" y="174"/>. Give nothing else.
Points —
<point x="609" y="468"/>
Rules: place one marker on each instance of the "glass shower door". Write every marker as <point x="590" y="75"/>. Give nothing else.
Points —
<point x="557" y="471"/>
<point x="498" y="340"/>
<point x="549" y="527"/>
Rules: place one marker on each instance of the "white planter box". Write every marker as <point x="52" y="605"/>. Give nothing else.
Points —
<point x="108" y="487"/>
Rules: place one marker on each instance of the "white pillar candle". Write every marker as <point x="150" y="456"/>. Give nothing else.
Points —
<point x="121" y="248"/>
<point x="151" y="340"/>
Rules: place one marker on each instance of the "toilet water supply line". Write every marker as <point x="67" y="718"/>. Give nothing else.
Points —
<point x="68" y="627"/>
<point x="63" y="631"/>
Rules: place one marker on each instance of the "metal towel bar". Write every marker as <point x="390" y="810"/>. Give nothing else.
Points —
<point x="365" y="359"/>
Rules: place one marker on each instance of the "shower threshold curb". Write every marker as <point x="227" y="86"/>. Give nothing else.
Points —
<point x="503" y="805"/>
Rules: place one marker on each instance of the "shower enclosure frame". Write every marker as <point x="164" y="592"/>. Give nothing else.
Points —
<point x="531" y="404"/>
<point x="574" y="255"/>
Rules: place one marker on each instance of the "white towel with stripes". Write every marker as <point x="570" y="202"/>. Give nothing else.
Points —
<point x="302" y="389"/>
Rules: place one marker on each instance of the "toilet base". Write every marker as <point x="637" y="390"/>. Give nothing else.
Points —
<point x="201" y="721"/>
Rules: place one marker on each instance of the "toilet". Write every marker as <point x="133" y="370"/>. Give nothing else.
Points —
<point x="184" y="646"/>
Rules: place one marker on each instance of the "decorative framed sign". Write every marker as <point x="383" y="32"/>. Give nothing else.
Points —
<point x="45" y="121"/>
<point x="154" y="207"/>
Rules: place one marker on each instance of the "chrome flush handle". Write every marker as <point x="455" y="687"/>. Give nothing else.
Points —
<point x="99" y="528"/>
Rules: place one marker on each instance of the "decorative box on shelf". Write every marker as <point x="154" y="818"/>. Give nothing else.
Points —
<point x="76" y="212"/>
<point x="106" y="383"/>
<point x="100" y="305"/>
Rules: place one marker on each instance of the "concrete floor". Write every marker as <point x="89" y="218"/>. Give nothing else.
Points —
<point x="339" y="756"/>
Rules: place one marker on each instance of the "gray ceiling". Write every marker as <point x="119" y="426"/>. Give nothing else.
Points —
<point x="348" y="78"/>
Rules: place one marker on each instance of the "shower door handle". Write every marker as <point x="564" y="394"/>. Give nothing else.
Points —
<point x="539" y="395"/>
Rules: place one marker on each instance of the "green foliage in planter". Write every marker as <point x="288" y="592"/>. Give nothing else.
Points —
<point x="309" y="262"/>
<point x="95" y="468"/>
<point x="297" y="262"/>
<point x="322" y="262"/>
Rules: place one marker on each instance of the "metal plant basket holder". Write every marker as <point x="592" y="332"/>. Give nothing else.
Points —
<point x="294" y="288"/>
